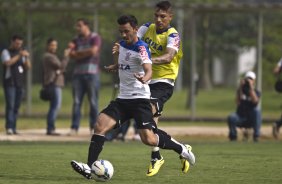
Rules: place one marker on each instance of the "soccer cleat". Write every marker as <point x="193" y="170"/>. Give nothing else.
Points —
<point x="275" y="130"/>
<point x="82" y="169"/>
<point x="188" y="154"/>
<point x="185" y="164"/>
<point x="155" y="166"/>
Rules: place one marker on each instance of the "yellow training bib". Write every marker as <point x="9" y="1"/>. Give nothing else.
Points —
<point x="157" y="43"/>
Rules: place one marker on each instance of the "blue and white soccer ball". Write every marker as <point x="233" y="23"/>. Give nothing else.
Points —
<point x="102" y="170"/>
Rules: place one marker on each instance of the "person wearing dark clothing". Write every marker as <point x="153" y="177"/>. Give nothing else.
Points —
<point x="247" y="114"/>
<point x="15" y="60"/>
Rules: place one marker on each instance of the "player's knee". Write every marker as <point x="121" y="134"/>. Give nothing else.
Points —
<point x="100" y="127"/>
<point x="104" y="124"/>
<point x="150" y="141"/>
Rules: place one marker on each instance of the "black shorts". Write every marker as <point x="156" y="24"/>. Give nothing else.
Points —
<point x="138" y="109"/>
<point x="160" y="93"/>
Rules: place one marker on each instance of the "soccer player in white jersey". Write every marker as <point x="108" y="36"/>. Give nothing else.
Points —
<point x="133" y="101"/>
<point x="166" y="49"/>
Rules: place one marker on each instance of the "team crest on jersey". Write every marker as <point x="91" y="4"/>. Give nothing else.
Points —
<point x="127" y="56"/>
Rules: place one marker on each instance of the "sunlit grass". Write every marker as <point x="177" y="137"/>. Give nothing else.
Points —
<point x="216" y="162"/>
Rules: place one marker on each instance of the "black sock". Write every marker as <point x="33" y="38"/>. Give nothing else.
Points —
<point x="156" y="154"/>
<point x="95" y="148"/>
<point x="165" y="142"/>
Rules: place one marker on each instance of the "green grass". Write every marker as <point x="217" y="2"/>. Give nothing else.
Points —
<point x="217" y="162"/>
<point x="220" y="102"/>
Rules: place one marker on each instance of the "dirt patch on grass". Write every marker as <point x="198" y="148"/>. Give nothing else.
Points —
<point x="84" y="133"/>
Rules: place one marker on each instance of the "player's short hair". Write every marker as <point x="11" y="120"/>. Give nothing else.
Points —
<point x="49" y="40"/>
<point x="16" y="37"/>
<point x="84" y="21"/>
<point x="131" y="19"/>
<point x="164" y="5"/>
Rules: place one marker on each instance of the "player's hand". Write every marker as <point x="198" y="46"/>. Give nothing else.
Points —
<point x="111" y="68"/>
<point x="115" y="49"/>
<point x="140" y="78"/>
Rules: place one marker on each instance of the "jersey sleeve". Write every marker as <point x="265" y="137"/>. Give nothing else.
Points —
<point x="143" y="29"/>
<point x="144" y="54"/>
<point x="173" y="41"/>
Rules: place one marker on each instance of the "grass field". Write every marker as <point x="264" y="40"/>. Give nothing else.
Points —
<point x="217" y="162"/>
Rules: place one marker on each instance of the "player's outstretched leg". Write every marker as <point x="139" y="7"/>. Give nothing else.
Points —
<point x="187" y="157"/>
<point x="156" y="162"/>
<point x="82" y="169"/>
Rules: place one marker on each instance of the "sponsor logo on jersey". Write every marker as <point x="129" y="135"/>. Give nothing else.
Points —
<point x="153" y="44"/>
<point x="124" y="67"/>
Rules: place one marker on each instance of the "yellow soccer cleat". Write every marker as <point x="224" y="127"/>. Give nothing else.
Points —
<point x="185" y="165"/>
<point x="155" y="166"/>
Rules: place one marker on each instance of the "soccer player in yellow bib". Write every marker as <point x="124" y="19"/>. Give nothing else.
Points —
<point x="166" y="50"/>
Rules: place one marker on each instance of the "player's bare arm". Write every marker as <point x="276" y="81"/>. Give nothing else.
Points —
<point x="115" y="52"/>
<point x="277" y="70"/>
<point x="111" y="68"/>
<point x="165" y="58"/>
<point x="148" y="73"/>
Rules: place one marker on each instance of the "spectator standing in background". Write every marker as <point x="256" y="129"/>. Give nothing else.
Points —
<point x="86" y="55"/>
<point x="15" y="60"/>
<point x="53" y="70"/>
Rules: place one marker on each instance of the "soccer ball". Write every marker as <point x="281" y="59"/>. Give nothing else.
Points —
<point x="102" y="170"/>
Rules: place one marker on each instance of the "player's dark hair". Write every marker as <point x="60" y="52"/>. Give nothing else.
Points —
<point x="164" y="5"/>
<point x="16" y="37"/>
<point x="49" y="40"/>
<point x="131" y="19"/>
<point x="84" y="21"/>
